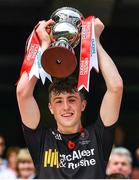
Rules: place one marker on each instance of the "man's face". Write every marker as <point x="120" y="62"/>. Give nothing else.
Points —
<point x="67" y="109"/>
<point x="119" y="164"/>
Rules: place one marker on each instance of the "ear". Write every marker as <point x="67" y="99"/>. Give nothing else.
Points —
<point x="84" y="103"/>
<point x="50" y="108"/>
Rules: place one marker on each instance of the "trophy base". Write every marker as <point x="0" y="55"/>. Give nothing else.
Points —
<point x="59" y="62"/>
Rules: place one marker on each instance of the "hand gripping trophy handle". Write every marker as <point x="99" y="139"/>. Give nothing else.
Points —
<point x="59" y="59"/>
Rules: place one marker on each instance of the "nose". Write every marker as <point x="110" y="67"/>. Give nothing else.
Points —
<point x="119" y="167"/>
<point x="66" y="105"/>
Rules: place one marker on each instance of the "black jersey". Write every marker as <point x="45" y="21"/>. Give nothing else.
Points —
<point x="82" y="155"/>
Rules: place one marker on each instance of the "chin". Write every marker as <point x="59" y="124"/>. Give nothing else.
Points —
<point x="68" y="124"/>
<point x="68" y="121"/>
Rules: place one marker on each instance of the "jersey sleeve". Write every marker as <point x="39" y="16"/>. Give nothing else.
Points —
<point x="34" y="141"/>
<point x="105" y="137"/>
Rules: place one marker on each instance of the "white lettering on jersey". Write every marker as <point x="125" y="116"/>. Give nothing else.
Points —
<point x="84" y="157"/>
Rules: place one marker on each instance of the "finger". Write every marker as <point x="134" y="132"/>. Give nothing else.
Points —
<point x="52" y="38"/>
<point x="48" y="30"/>
<point x="48" y="23"/>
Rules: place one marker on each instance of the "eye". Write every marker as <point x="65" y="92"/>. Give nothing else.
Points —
<point x="72" y="100"/>
<point x="58" y="101"/>
<point x="116" y="163"/>
<point x="123" y="163"/>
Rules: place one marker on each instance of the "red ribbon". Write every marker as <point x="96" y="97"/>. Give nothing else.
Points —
<point x="85" y="53"/>
<point x="32" y="47"/>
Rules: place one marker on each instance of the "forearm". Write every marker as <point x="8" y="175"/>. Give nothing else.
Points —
<point x="108" y="69"/>
<point x="28" y="107"/>
<point x="111" y="102"/>
<point x="110" y="106"/>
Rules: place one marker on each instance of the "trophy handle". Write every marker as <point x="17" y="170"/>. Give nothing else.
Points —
<point x="59" y="61"/>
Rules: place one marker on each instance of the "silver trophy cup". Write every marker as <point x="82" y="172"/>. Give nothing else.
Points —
<point x="59" y="59"/>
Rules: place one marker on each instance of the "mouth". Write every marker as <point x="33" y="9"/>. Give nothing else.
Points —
<point x="67" y="114"/>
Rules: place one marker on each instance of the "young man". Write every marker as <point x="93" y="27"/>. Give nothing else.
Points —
<point x="70" y="151"/>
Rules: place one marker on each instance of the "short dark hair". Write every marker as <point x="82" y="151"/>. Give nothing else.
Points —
<point x="68" y="84"/>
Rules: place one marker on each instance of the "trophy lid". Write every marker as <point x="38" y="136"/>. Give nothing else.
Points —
<point x="68" y="24"/>
<point x="69" y="11"/>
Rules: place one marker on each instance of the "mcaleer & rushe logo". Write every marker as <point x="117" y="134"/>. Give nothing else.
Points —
<point x="52" y="158"/>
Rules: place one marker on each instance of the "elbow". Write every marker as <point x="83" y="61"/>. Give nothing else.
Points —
<point x="117" y="86"/>
<point x="25" y="87"/>
<point x="21" y="92"/>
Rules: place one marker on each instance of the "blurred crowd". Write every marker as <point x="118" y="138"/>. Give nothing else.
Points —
<point x="16" y="163"/>
<point x="123" y="164"/>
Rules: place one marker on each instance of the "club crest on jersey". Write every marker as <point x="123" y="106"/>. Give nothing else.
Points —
<point x="83" y="140"/>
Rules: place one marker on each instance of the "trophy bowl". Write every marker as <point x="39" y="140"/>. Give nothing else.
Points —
<point x="59" y="60"/>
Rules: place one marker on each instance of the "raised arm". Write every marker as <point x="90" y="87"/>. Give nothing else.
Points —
<point x="28" y="107"/>
<point x="111" y="102"/>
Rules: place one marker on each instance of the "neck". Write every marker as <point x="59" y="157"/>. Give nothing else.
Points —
<point x="69" y="130"/>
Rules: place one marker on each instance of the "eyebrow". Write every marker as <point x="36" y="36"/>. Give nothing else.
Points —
<point x="72" y="97"/>
<point x="59" y="98"/>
